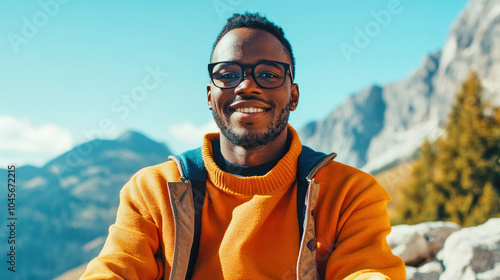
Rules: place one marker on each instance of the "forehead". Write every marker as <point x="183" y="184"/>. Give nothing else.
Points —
<point x="249" y="46"/>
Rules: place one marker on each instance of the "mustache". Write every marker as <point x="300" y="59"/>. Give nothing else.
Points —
<point x="250" y="97"/>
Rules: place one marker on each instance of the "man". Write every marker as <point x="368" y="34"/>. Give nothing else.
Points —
<point x="235" y="208"/>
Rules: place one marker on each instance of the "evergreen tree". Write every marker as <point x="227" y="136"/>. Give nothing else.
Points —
<point x="425" y="200"/>
<point x="457" y="177"/>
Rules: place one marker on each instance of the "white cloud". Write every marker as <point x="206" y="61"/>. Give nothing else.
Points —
<point x="188" y="135"/>
<point x="23" y="143"/>
<point x="35" y="182"/>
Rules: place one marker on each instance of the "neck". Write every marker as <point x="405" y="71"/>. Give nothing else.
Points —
<point x="254" y="156"/>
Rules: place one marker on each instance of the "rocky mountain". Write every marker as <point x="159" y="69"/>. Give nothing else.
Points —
<point x="64" y="208"/>
<point x="382" y="124"/>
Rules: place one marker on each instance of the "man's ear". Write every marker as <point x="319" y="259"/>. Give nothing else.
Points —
<point x="294" y="97"/>
<point x="209" y="96"/>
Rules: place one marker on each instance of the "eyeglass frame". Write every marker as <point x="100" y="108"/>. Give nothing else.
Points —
<point x="243" y="67"/>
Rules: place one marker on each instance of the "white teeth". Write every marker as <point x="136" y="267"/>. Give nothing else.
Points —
<point x="249" y="110"/>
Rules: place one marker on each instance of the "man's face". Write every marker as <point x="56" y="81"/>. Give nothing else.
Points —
<point x="248" y="115"/>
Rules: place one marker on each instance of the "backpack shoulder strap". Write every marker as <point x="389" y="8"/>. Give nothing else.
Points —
<point x="308" y="160"/>
<point x="193" y="169"/>
<point x="308" y="163"/>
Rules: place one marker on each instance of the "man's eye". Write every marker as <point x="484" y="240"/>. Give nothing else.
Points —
<point x="228" y="76"/>
<point x="267" y="75"/>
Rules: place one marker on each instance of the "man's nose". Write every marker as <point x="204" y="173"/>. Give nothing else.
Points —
<point x="248" y="85"/>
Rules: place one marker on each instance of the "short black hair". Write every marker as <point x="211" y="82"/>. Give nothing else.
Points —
<point x="256" y="21"/>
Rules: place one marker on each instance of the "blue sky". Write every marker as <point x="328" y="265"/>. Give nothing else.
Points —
<point x="74" y="70"/>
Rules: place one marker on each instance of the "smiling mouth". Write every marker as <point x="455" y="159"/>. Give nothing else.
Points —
<point x="249" y="110"/>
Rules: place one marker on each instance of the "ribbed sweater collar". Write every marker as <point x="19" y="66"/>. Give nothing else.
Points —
<point x="281" y="176"/>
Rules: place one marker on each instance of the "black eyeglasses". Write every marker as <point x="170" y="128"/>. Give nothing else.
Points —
<point x="267" y="74"/>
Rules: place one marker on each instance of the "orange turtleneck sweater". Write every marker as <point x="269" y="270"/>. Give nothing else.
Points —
<point x="249" y="225"/>
<point x="252" y="228"/>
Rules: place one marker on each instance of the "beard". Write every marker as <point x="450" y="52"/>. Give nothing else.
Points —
<point x="254" y="140"/>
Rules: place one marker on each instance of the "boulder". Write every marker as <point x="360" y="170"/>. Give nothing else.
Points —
<point x="472" y="253"/>
<point x="419" y="244"/>
<point x="428" y="271"/>
<point x="411" y="272"/>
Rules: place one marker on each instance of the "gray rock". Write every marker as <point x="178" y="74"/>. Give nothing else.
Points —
<point x="419" y="244"/>
<point x="411" y="272"/>
<point x="429" y="271"/>
<point x="492" y="274"/>
<point x="472" y="253"/>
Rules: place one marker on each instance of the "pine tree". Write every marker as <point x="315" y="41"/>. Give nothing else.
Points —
<point x="488" y="205"/>
<point x="457" y="177"/>
<point x="425" y="200"/>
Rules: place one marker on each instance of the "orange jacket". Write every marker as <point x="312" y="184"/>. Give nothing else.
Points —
<point x="249" y="225"/>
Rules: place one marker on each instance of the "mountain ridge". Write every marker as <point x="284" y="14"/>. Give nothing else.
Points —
<point x="69" y="203"/>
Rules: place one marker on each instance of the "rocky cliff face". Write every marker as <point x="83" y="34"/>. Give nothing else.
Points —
<point x="351" y="127"/>
<point x="384" y="123"/>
